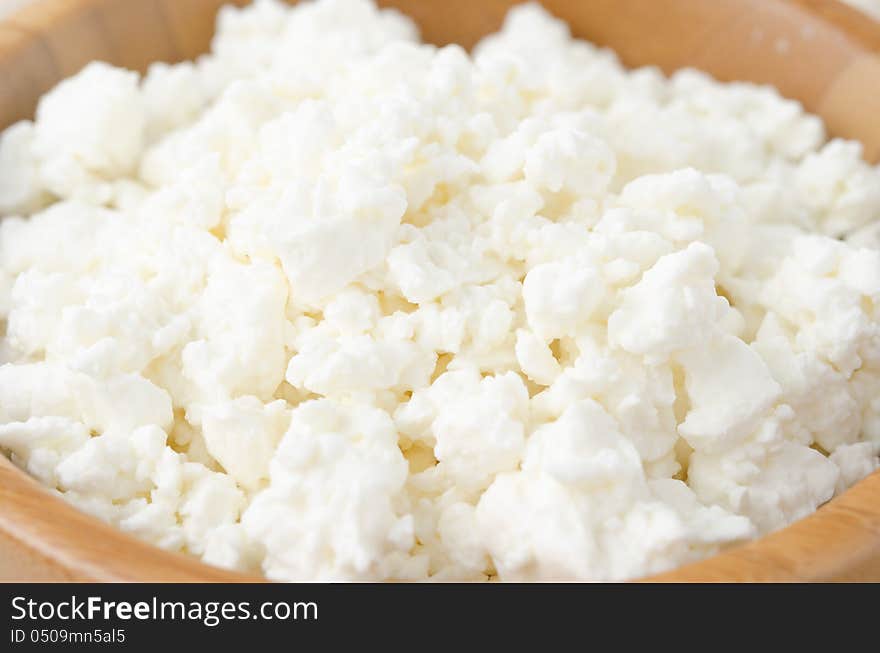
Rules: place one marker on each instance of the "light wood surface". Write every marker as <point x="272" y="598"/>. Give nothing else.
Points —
<point x="817" y="51"/>
<point x="44" y="538"/>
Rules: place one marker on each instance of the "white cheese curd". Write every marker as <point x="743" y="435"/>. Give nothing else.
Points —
<point x="332" y="304"/>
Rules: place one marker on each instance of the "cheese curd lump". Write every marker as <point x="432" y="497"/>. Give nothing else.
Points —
<point x="332" y="304"/>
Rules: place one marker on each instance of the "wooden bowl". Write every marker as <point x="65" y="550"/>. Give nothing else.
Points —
<point x="817" y="51"/>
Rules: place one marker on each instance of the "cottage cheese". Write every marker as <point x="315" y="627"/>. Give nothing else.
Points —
<point x="329" y="303"/>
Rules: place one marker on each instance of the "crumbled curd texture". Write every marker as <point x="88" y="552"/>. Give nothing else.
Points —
<point x="331" y="304"/>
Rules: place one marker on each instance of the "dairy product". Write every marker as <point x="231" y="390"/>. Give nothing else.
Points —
<point x="331" y="304"/>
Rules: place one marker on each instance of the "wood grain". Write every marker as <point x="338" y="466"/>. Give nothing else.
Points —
<point x="817" y="51"/>
<point x="43" y="538"/>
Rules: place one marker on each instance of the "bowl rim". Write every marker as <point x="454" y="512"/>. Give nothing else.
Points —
<point x="50" y="539"/>
<point x="841" y="536"/>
